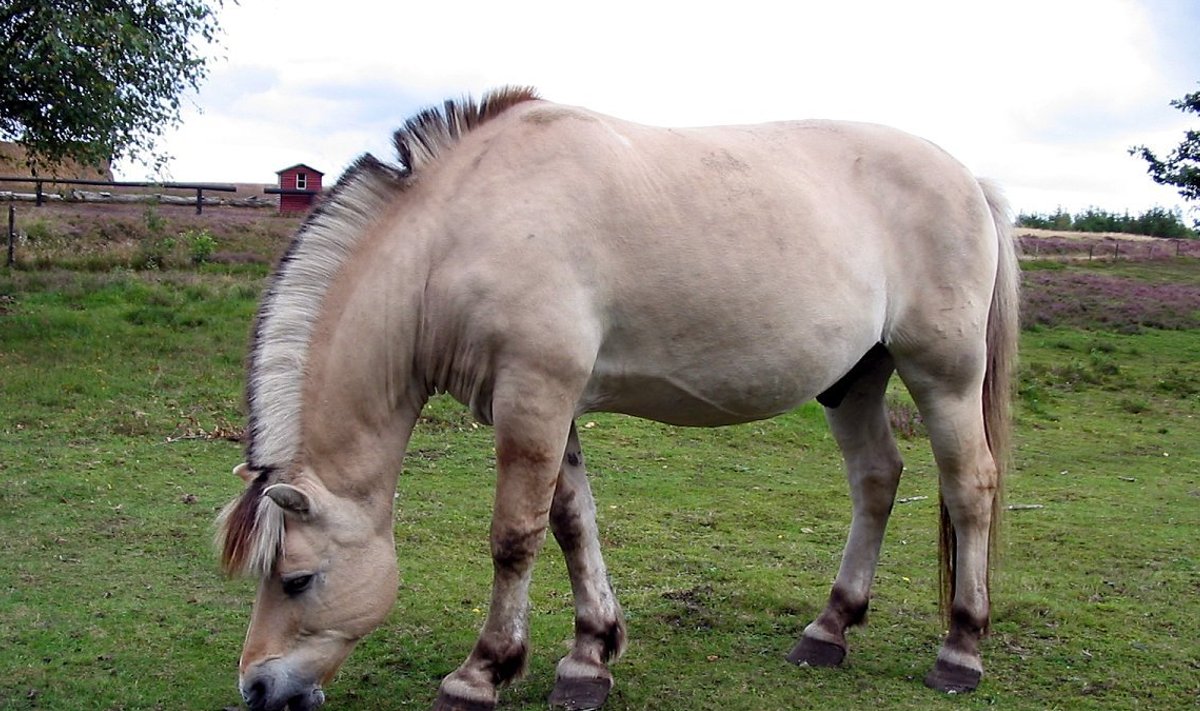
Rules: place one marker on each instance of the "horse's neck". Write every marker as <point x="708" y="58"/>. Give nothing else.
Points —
<point x="360" y="397"/>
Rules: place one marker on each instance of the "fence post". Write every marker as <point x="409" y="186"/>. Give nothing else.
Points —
<point x="199" y="200"/>
<point x="12" y="235"/>
<point x="1091" y="248"/>
<point x="1116" y="251"/>
<point x="39" y="193"/>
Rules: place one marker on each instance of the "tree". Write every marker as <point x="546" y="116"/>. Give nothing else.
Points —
<point x="94" y="80"/>
<point x="1181" y="167"/>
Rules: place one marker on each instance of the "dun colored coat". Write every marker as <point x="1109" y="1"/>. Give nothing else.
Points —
<point x="539" y="261"/>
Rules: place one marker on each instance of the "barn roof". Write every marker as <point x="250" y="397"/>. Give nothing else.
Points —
<point x="299" y="165"/>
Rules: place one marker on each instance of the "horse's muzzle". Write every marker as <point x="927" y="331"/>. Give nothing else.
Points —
<point x="271" y="687"/>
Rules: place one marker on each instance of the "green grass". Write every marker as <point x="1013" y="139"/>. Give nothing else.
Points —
<point x="721" y="543"/>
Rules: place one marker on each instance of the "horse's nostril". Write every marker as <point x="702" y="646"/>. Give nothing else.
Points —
<point x="307" y="701"/>
<point x="255" y="695"/>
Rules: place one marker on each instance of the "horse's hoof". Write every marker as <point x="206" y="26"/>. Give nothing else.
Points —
<point x="580" y="694"/>
<point x="445" y="702"/>
<point x="952" y="678"/>
<point x="810" y="652"/>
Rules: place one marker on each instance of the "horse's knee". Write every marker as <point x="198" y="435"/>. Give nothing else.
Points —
<point x="514" y="549"/>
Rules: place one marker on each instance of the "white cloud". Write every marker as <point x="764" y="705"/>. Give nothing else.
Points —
<point x="1044" y="96"/>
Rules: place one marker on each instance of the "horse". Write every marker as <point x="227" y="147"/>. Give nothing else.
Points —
<point x="539" y="261"/>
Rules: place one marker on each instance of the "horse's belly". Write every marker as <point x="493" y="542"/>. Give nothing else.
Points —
<point x="719" y="394"/>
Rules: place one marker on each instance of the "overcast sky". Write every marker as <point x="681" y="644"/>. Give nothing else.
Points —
<point x="1045" y="96"/>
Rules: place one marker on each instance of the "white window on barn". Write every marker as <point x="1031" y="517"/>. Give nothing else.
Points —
<point x="301" y="181"/>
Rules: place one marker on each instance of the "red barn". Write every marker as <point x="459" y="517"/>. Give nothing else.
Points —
<point x="298" y="188"/>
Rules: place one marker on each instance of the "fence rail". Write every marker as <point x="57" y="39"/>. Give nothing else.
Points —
<point x="198" y="187"/>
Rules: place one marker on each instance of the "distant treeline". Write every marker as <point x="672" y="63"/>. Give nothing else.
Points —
<point x="1156" y="222"/>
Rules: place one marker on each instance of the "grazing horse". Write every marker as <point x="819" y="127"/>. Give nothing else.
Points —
<point x="537" y="262"/>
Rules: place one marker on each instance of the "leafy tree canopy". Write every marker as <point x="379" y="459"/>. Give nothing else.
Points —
<point x="1181" y="167"/>
<point x="94" y="80"/>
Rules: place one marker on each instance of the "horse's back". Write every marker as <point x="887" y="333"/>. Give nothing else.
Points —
<point x="714" y="275"/>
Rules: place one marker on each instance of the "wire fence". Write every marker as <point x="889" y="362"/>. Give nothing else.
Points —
<point x="1083" y="248"/>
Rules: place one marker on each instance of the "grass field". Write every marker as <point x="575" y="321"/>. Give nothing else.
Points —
<point x="120" y="392"/>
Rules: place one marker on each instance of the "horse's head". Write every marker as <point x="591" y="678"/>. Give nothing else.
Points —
<point x="327" y="577"/>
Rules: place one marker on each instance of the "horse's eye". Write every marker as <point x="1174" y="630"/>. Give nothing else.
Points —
<point x="294" y="586"/>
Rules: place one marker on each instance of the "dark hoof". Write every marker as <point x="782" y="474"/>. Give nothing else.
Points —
<point x="580" y="694"/>
<point x="810" y="652"/>
<point x="952" y="678"/>
<point x="446" y="702"/>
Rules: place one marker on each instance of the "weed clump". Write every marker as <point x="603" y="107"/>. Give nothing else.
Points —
<point x="201" y="245"/>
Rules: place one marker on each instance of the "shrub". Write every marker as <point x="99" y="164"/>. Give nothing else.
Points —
<point x="156" y="224"/>
<point x="1134" y="406"/>
<point x="1160" y="222"/>
<point x="1156" y="222"/>
<point x="1060" y="220"/>
<point x="201" y="245"/>
<point x="154" y="254"/>
<point x="38" y="230"/>
<point x="1178" y="383"/>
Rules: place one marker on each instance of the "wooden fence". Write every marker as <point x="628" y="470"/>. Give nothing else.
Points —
<point x="198" y="187"/>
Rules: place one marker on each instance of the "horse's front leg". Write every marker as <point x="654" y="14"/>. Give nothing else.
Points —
<point x="873" y="466"/>
<point x="583" y="679"/>
<point x="531" y="430"/>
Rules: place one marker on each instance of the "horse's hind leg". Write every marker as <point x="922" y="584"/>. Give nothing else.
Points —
<point x="583" y="679"/>
<point x="860" y="425"/>
<point x="948" y="392"/>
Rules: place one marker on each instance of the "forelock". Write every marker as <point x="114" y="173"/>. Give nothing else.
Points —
<point x="250" y="533"/>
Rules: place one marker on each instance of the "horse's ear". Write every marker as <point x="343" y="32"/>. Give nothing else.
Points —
<point x="245" y="473"/>
<point x="290" y="499"/>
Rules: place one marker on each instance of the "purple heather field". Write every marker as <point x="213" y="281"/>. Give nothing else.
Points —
<point x="1107" y="302"/>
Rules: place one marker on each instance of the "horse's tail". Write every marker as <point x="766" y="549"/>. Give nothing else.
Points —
<point x="1003" y="329"/>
